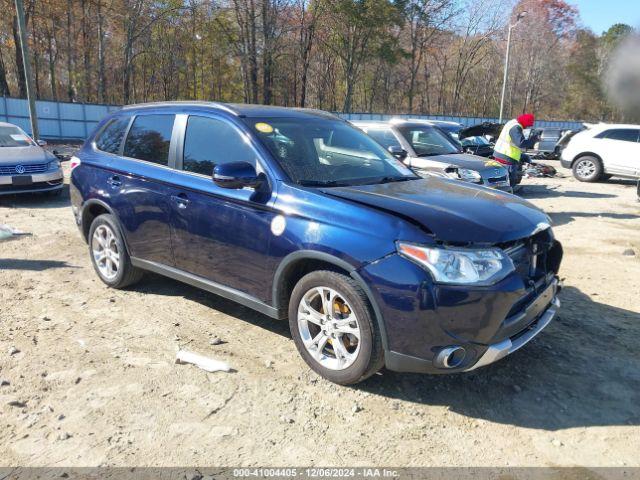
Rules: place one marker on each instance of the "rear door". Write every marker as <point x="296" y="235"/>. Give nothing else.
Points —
<point x="139" y="186"/>
<point x="220" y="234"/>
<point x="620" y="150"/>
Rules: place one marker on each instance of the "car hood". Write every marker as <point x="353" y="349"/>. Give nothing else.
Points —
<point x="454" y="211"/>
<point x="485" y="128"/>
<point x="24" y="155"/>
<point x="464" y="160"/>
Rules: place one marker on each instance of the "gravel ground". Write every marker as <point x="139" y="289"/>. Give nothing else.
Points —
<point x="88" y="374"/>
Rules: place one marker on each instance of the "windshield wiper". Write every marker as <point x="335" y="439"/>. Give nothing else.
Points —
<point x="391" y="179"/>
<point x="322" y="183"/>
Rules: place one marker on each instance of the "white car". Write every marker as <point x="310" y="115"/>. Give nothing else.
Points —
<point x="602" y="151"/>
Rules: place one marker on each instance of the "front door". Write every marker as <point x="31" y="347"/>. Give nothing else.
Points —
<point x="220" y="234"/>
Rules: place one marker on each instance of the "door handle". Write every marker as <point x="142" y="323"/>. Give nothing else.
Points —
<point x="114" y="181"/>
<point x="181" y="200"/>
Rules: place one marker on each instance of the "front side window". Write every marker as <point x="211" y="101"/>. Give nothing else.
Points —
<point x="209" y="142"/>
<point x="11" y="136"/>
<point x="384" y="136"/>
<point x="149" y="138"/>
<point x="624" y="134"/>
<point x="111" y="136"/>
<point x="427" y="141"/>
<point x="327" y="152"/>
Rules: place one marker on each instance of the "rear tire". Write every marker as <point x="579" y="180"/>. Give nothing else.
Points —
<point x="342" y="351"/>
<point x="587" y="169"/>
<point x="109" y="254"/>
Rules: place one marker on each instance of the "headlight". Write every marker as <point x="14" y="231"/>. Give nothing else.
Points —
<point x="460" y="265"/>
<point x="53" y="165"/>
<point x="469" y="175"/>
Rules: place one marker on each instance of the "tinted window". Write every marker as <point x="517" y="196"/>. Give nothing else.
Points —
<point x="624" y="134"/>
<point x="149" y="138"/>
<point x="209" y="142"/>
<point x="111" y="136"/>
<point x="384" y="137"/>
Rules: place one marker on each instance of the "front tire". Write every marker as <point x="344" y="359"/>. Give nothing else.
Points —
<point x="109" y="254"/>
<point x="587" y="169"/>
<point x="334" y="329"/>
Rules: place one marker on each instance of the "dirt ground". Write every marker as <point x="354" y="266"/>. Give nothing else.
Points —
<point x="94" y="381"/>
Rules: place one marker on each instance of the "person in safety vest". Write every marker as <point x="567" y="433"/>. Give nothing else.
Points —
<point x="511" y="143"/>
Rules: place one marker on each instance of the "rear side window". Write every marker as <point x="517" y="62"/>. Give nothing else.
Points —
<point x="209" y="142"/>
<point x="149" y="138"/>
<point x="110" y="138"/>
<point x="624" y="134"/>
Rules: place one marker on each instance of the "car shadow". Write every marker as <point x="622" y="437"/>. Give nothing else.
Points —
<point x="33" y="265"/>
<point x="562" y="218"/>
<point x="159" y="285"/>
<point x="37" y="200"/>
<point x="545" y="191"/>
<point x="583" y="370"/>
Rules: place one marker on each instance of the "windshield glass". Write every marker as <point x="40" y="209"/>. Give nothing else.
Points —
<point x="11" y="136"/>
<point x="427" y="141"/>
<point x="322" y="152"/>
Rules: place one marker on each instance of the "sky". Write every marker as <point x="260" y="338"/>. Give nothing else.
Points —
<point x="599" y="15"/>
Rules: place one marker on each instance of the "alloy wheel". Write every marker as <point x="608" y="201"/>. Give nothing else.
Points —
<point x="586" y="168"/>
<point x="329" y="328"/>
<point x="105" y="252"/>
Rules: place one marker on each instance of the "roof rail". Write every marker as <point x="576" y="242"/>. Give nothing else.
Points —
<point x="194" y="103"/>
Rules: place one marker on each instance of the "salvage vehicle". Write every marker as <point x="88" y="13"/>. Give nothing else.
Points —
<point x="429" y="151"/>
<point x="26" y="167"/>
<point x="372" y="265"/>
<point x="602" y="151"/>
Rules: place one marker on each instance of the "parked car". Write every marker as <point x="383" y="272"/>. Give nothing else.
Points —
<point x="372" y="264"/>
<point x="427" y="150"/>
<point x="602" y="151"/>
<point x="547" y="145"/>
<point x="25" y="166"/>
<point x="470" y="139"/>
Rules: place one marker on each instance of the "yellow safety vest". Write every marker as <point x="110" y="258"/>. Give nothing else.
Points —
<point x="505" y="145"/>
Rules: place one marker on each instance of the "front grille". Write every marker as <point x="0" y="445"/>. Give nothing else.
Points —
<point x="28" y="169"/>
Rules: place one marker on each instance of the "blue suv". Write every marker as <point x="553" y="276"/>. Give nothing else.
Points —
<point x="299" y="215"/>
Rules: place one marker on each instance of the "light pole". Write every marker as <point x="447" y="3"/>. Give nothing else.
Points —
<point x="35" y="133"/>
<point x="519" y="17"/>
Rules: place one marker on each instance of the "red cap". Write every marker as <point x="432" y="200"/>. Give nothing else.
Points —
<point x="526" y="120"/>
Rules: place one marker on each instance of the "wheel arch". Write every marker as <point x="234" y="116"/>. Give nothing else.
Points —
<point x="91" y="210"/>
<point x="297" y="264"/>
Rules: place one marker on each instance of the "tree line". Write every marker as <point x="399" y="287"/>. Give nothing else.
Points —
<point x="385" y="56"/>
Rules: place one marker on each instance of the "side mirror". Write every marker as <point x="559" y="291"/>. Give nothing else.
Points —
<point x="398" y="152"/>
<point x="236" y="175"/>
<point x="41" y="143"/>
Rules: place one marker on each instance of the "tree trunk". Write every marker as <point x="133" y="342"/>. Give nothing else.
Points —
<point x="22" y="85"/>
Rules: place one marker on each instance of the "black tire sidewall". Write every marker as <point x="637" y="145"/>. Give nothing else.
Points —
<point x="361" y="308"/>
<point x="595" y="176"/>
<point x="110" y="221"/>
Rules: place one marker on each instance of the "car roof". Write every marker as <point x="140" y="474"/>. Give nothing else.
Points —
<point x="236" y="109"/>
<point x="393" y="121"/>
<point x="607" y="126"/>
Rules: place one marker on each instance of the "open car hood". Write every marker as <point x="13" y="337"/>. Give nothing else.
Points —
<point x="453" y="211"/>
<point x="485" y="128"/>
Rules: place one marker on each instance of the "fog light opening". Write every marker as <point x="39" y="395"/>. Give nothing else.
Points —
<point x="451" y="357"/>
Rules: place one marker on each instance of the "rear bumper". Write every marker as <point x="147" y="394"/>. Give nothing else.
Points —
<point x="41" y="182"/>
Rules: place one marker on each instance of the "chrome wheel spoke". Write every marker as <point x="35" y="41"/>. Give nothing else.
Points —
<point x="105" y="252"/>
<point x="325" y="317"/>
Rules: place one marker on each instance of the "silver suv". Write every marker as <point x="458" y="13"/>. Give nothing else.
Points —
<point x="429" y="151"/>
